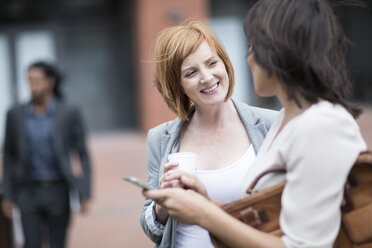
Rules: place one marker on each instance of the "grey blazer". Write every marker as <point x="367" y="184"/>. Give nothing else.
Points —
<point x="68" y="136"/>
<point x="164" y="139"/>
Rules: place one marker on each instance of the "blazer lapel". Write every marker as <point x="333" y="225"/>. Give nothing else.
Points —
<point x="57" y="129"/>
<point x="173" y="131"/>
<point x="21" y="129"/>
<point x="168" y="142"/>
<point x="256" y="129"/>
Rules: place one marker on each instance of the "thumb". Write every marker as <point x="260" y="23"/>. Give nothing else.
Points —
<point x="194" y="184"/>
<point x="188" y="181"/>
<point x="156" y="194"/>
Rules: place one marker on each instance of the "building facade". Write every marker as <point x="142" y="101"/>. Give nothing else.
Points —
<point x="104" y="47"/>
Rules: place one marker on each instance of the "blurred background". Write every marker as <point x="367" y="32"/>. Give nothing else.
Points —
<point x="103" y="48"/>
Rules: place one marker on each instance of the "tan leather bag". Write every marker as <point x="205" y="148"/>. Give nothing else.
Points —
<point x="261" y="209"/>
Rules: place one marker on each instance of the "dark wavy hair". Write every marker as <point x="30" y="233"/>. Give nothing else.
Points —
<point x="303" y="45"/>
<point x="50" y="71"/>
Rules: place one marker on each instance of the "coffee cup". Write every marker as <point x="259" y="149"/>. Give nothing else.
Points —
<point x="186" y="161"/>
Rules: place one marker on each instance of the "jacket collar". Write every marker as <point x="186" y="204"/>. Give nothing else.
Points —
<point x="174" y="127"/>
<point x="249" y="118"/>
<point x="253" y="124"/>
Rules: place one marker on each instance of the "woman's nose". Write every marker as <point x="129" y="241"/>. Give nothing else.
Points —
<point x="206" y="77"/>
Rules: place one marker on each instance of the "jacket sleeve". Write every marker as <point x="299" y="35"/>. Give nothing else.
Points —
<point x="152" y="228"/>
<point x="8" y="159"/>
<point x="84" y="182"/>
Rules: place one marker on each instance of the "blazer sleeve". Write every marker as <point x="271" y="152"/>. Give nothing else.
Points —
<point x="84" y="182"/>
<point x="8" y="158"/>
<point x="152" y="228"/>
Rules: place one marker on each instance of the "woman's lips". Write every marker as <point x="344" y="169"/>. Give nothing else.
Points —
<point x="210" y="89"/>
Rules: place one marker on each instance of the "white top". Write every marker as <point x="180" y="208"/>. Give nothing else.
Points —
<point x="318" y="148"/>
<point x="222" y="185"/>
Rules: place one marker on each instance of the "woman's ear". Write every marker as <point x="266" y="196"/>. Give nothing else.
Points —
<point x="51" y="83"/>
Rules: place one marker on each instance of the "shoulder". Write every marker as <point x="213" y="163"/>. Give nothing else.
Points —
<point x="16" y="110"/>
<point x="256" y="114"/>
<point x="18" y="107"/>
<point x="327" y="127"/>
<point x="66" y="105"/>
<point x="68" y="108"/>
<point x="267" y="115"/>
<point x="327" y="118"/>
<point x="157" y="131"/>
<point x="165" y="128"/>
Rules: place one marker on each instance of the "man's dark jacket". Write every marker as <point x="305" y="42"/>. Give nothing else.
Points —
<point x="68" y="140"/>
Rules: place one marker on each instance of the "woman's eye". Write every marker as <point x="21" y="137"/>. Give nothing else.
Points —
<point x="213" y="62"/>
<point x="190" y="73"/>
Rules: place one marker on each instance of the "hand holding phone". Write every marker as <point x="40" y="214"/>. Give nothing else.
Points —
<point x="136" y="182"/>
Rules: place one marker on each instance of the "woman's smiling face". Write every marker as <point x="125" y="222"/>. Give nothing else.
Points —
<point x="204" y="77"/>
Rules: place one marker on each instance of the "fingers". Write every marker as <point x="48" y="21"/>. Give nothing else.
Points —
<point x="157" y="195"/>
<point x="182" y="179"/>
<point x="171" y="177"/>
<point x="175" y="175"/>
<point x="7" y="207"/>
<point x="84" y="206"/>
<point x="169" y="166"/>
<point x="192" y="182"/>
<point x="7" y="213"/>
<point x="171" y="184"/>
<point x="183" y="205"/>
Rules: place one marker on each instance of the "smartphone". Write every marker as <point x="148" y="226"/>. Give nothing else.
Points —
<point x="137" y="182"/>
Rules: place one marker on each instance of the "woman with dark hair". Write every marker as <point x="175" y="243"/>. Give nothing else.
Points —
<point x="297" y="54"/>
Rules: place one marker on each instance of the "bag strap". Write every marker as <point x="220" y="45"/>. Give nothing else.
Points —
<point x="273" y="169"/>
<point x="364" y="157"/>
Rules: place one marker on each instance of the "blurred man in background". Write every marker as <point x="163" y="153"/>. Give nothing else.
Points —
<point x="40" y="138"/>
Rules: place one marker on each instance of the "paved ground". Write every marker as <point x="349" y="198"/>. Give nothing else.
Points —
<point x="113" y="221"/>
